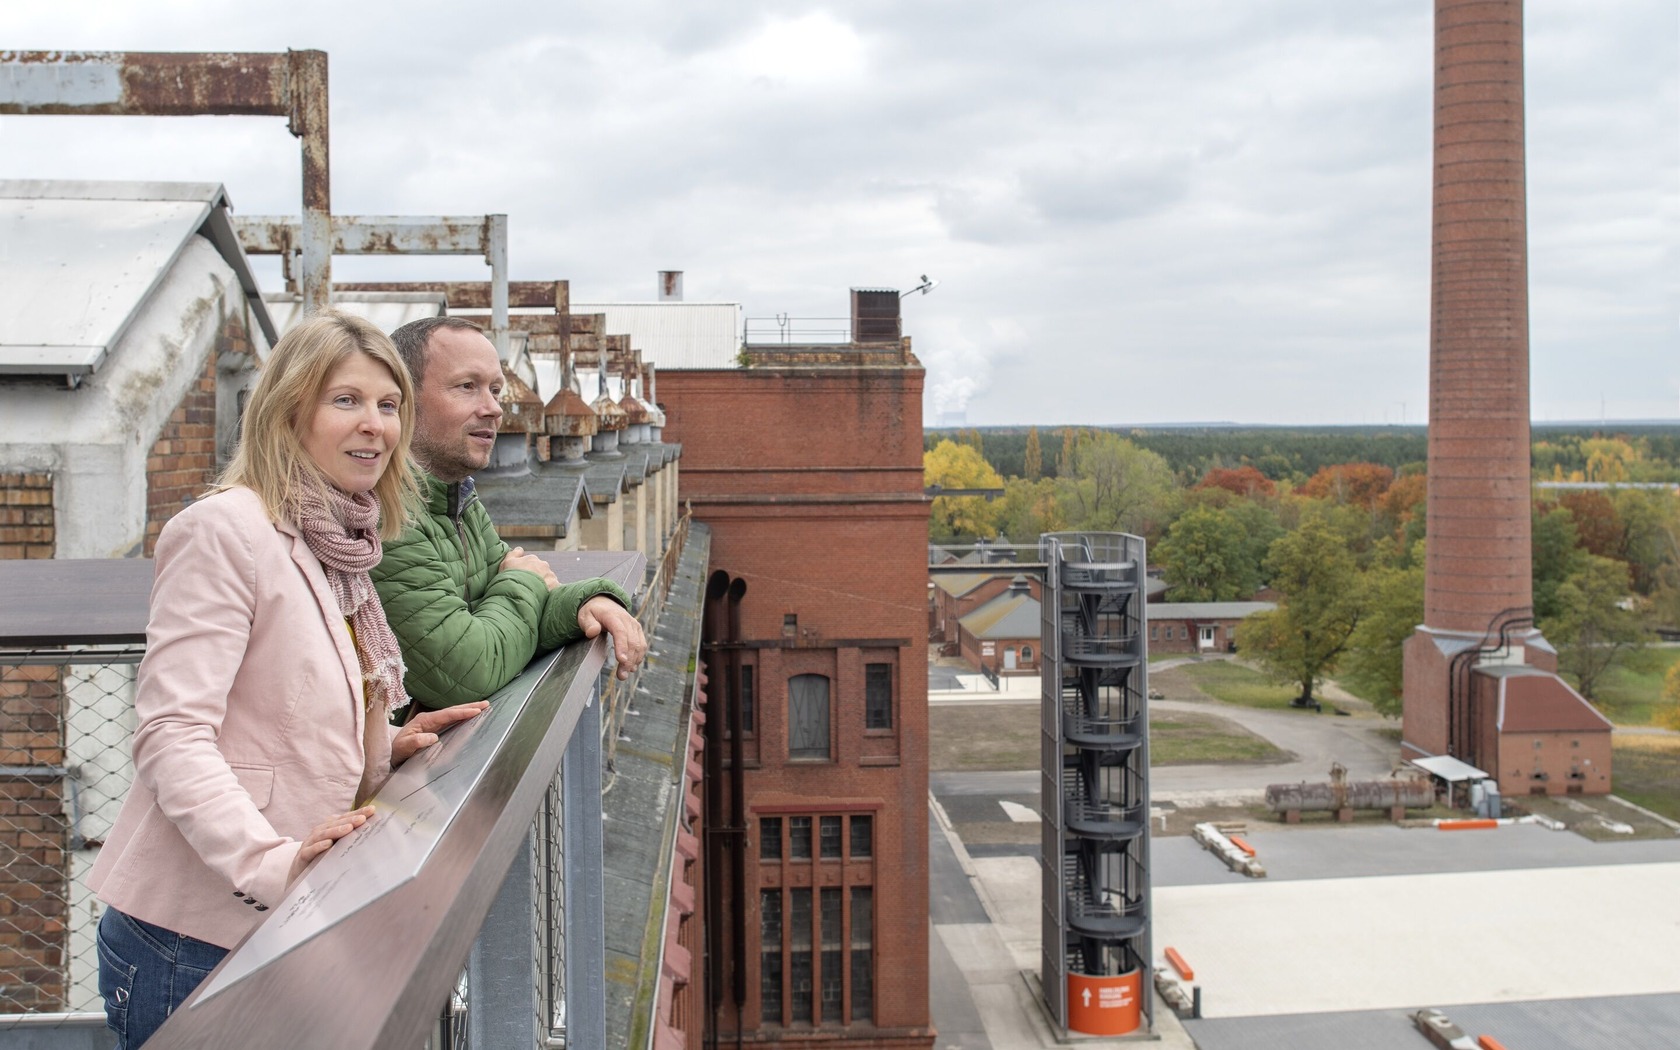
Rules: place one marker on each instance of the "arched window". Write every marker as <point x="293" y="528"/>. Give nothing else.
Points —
<point x="1026" y="654"/>
<point x="808" y="716"/>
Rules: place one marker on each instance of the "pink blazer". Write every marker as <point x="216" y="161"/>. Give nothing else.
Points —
<point x="249" y="723"/>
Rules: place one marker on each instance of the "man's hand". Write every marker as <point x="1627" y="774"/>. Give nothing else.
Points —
<point x="518" y="559"/>
<point x="601" y="613"/>
<point x="422" y="730"/>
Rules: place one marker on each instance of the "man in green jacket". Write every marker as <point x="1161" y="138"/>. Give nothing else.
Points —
<point x="468" y="611"/>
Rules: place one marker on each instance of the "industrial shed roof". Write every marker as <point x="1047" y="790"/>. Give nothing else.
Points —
<point x="80" y="259"/>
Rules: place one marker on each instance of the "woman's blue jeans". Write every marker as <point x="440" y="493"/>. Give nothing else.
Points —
<point x="145" y="972"/>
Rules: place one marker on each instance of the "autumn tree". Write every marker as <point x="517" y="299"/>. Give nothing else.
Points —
<point x="950" y="465"/>
<point x="1115" y="486"/>
<point x="1598" y="528"/>
<point x="1590" y="626"/>
<point x="1356" y="484"/>
<point x="1064" y="463"/>
<point x="1302" y="640"/>
<point x="1032" y="466"/>
<point x="1243" y="481"/>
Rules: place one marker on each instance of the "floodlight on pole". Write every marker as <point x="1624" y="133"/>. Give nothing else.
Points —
<point x="928" y="284"/>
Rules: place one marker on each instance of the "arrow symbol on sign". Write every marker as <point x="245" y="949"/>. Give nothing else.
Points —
<point x="1087" y="997"/>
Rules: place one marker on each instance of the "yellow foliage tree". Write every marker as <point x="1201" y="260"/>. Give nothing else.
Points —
<point x="951" y="465"/>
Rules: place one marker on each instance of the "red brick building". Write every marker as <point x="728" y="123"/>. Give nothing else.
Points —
<point x="806" y="464"/>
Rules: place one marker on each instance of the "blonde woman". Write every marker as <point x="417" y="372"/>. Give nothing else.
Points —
<point x="263" y="701"/>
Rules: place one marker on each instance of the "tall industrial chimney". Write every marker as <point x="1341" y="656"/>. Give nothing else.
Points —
<point x="1478" y="636"/>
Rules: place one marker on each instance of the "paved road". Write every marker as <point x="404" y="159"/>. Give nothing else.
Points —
<point x="1316" y="741"/>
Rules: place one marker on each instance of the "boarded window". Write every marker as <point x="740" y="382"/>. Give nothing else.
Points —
<point x="808" y="716"/>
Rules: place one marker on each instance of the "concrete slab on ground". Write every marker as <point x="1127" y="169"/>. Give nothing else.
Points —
<point x="1401" y="941"/>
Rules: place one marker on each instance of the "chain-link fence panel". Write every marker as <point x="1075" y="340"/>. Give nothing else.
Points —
<point x="66" y="721"/>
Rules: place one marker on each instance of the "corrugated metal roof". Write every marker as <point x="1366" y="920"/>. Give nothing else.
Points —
<point x="960" y="583"/>
<point x="82" y="258"/>
<point x="1006" y="616"/>
<point x="1205" y="610"/>
<point x="676" y="335"/>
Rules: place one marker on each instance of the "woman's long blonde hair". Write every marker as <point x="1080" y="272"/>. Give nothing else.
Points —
<point x="270" y="459"/>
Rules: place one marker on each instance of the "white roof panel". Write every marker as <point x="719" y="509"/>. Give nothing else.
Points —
<point x="676" y="334"/>
<point x="79" y="259"/>
<point x="1449" y="769"/>
<point x="388" y="311"/>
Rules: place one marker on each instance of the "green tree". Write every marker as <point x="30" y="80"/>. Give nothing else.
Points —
<point x="1029" y="509"/>
<point x="1590" y="626"/>
<point x="950" y="465"/>
<point x="1117" y="486"/>
<point x="1375" y="666"/>
<point x="1555" y="557"/>
<point x="1032" y="465"/>
<point x="1303" y="638"/>
<point x="1205" y="557"/>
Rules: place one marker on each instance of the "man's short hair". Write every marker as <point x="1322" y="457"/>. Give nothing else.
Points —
<point x="412" y="339"/>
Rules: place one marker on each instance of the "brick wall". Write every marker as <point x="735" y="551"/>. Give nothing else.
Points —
<point x="811" y="481"/>
<point x="33" y="881"/>
<point x="182" y="461"/>
<point x="26" y="515"/>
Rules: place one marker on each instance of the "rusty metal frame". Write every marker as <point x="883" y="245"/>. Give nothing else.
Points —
<point x="290" y="84"/>
<point x="484" y="235"/>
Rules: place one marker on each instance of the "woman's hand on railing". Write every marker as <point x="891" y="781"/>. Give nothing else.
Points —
<point x="325" y="834"/>
<point x="422" y="730"/>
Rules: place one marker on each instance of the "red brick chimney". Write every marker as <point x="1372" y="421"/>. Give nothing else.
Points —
<point x="1479" y="566"/>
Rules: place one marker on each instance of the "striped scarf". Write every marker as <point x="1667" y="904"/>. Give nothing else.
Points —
<point x="343" y="533"/>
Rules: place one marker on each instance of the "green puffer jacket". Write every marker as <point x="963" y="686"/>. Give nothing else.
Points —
<point x="466" y="629"/>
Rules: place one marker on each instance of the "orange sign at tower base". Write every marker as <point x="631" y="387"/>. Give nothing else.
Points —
<point x="1104" y="1005"/>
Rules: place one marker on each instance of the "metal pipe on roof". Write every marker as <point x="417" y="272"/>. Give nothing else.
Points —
<point x="290" y="84"/>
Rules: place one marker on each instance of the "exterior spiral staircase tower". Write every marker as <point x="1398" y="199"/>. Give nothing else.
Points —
<point x="1095" y="789"/>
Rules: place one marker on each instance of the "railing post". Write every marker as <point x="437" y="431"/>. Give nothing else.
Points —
<point x="586" y="929"/>
<point x="504" y="1010"/>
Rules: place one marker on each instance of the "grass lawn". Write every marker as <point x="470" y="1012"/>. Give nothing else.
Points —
<point x="1235" y="684"/>
<point x="1646" y="772"/>
<point x="974" y="737"/>
<point x="1630" y="693"/>
<point x="1180" y="738"/>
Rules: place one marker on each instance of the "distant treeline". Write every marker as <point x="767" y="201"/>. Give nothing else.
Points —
<point x="1297" y="453"/>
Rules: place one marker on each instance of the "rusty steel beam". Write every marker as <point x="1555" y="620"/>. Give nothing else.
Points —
<point x="484" y="235"/>
<point x="290" y="84"/>
<point x="475" y="295"/>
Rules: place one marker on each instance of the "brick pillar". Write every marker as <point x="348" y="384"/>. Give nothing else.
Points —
<point x="182" y="461"/>
<point x="1479" y="561"/>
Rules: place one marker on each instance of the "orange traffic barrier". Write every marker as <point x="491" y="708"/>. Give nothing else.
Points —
<point x="1239" y="842"/>
<point x="1488" y="1042"/>
<point x="1180" y="965"/>
<point x="1467" y="825"/>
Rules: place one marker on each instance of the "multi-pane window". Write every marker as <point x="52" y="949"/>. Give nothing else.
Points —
<point x="828" y="838"/>
<point x="770" y="956"/>
<point x="816" y="943"/>
<point x="863" y="836"/>
<point x="747" y="698"/>
<point x="808" y="716"/>
<point x="799" y="953"/>
<point x="863" y="953"/>
<point x="877" y="696"/>
<point x="833" y="977"/>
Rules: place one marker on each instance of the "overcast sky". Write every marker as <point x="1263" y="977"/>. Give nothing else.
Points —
<point x="1139" y="211"/>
